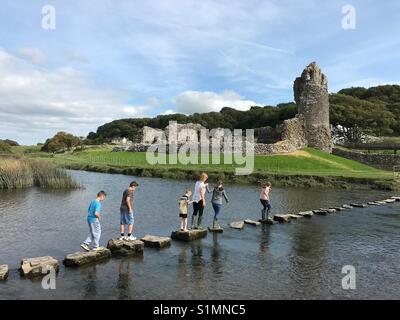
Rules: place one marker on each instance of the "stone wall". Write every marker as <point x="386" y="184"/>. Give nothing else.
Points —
<point x="376" y="160"/>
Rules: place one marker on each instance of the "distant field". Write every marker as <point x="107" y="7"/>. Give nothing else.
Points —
<point x="304" y="162"/>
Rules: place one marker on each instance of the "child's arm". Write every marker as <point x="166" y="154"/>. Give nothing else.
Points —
<point x="225" y="196"/>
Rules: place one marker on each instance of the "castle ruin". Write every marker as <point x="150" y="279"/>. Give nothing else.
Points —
<point x="309" y="128"/>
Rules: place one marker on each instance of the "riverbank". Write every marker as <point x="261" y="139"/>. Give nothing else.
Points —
<point x="304" y="168"/>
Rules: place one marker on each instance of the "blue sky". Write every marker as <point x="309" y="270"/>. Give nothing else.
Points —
<point x="117" y="59"/>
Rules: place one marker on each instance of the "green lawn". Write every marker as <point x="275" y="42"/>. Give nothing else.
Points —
<point x="304" y="162"/>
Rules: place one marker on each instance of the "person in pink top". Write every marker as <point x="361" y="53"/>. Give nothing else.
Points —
<point x="264" y="199"/>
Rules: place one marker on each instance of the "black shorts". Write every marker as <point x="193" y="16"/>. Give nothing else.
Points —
<point x="183" y="215"/>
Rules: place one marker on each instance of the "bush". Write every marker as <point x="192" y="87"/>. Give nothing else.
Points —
<point x="11" y="143"/>
<point x="62" y="142"/>
<point x="4" y="147"/>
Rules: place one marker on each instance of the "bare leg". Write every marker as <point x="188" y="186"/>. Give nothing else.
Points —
<point x="185" y="223"/>
<point x="122" y="228"/>
<point x="130" y="228"/>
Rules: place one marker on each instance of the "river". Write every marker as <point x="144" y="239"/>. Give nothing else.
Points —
<point x="299" y="260"/>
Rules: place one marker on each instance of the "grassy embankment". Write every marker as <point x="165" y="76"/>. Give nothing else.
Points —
<point x="16" y="173"/>
<point x="307" y="167"/>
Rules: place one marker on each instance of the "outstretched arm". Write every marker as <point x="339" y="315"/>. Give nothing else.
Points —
<point x="225" y="196"/>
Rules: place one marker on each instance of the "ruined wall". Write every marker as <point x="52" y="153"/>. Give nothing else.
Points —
<point x="312" y="99"/>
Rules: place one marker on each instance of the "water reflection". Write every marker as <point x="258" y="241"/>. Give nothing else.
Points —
<point x="124" y="279"/>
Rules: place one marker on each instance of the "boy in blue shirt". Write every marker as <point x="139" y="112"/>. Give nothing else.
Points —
<point x="93" y="220"/>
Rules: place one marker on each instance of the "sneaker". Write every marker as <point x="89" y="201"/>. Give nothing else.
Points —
<point x="96" y="249"/>
<point x="130" y="238"/>
<point x="122" y="238"/>
<point x="85" y="247"/>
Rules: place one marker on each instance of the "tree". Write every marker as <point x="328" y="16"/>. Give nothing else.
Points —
<point x="62" y="142"/>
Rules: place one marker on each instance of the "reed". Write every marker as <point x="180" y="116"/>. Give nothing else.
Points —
<point x="24" y="173"/>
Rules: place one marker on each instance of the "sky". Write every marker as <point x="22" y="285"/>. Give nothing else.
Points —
<point x="108" y="60"/>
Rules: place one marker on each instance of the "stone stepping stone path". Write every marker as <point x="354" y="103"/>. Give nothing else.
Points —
<point x="396" y="198"/>
<point x="346" y="206"/>
<point x="307" y="214"/>
<point x="239" y="225"/>
<point x="125" y="247"/>
<point x="359" y="205"/>
<point x="320" y="212"/>
<point x="81" y="258"/>
<point x="33" y="267"/>
<point x="282" y="218"/>
<point x="189" y="235"/>
<point x="156" y="242"/>
<point x="268" y="221"/>
<point x="3" y="272"/>
<point x="216" y="230"/>
<point x="295" y="216"/>
<point x="252" y="222"/>
<point x="390" y="200"/>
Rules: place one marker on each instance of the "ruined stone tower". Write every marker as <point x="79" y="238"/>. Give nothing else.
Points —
<point x="312" y="99"/>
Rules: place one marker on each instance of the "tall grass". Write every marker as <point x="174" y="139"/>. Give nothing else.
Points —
<point x="24" y="173"/>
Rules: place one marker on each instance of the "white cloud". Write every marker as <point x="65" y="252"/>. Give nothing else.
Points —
<point x="35" y="55"/>
<point x="36" y="103"/>
<point x="189" y="102"/>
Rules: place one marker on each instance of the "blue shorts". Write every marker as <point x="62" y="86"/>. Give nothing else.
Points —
<point x="126" y="218"/>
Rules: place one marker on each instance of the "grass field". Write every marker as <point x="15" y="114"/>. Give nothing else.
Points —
<point x="304" y="162"/>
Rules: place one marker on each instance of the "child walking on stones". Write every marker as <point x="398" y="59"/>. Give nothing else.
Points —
<point x="216" y="201"/>
<point x="93" y="220"/>
<point x="264" y="199"/>
<point x="184" y="202"/>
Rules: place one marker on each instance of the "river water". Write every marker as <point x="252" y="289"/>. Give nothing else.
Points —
<point x="299" y="260"/>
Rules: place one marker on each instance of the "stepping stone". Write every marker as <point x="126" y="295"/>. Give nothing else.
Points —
<point x="396" y="198"/>
<point x="390" y="200"/>
<point x="307" y="214"/>
<point x="373" y="203"/>
<point x="81" y="258"/>
<point x="346" y="206"/>
<point x="268" y="221"/>
<point x="328" y="210"/>
<point x="125" y="247"/>
<point x="359" y="205"/>
<point x="282" y="218"/>
<point x="320" y="212"/>
<point x="252" y="222"/>
<point x="189" y="235"/>
<point x="32" y="267"/>
<point x="215" y="230"/>
<point x="380" y="202"/>
<point x="295" y="216"/>
<point x="3" y="272"/>
<point x="337" y="208"/>
<point x="239" y="225"/>
<point x="156" y="242"/>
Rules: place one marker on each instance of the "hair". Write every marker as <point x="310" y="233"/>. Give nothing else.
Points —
<point x="102" y="193"/>
<point x="219" y="182"/>
<point x="188" y="191"/>
<point x="203" y="175"/>
<point x="134" y="184"/>
<point x="266" y="184"/>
